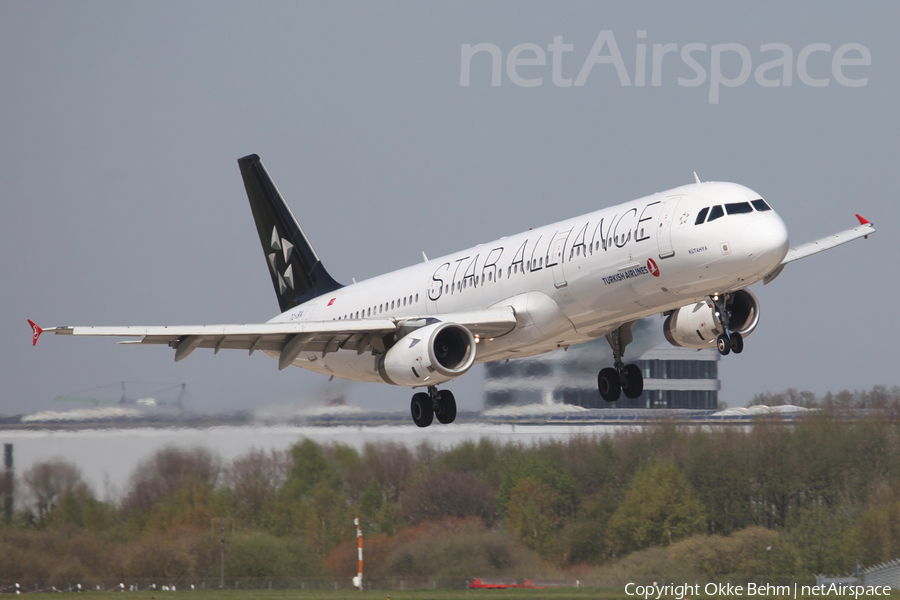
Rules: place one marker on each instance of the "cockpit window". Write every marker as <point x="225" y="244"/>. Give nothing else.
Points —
<point x="737" y="208"/>
<point x="715" y="213"/>
<point x="761" y="205"/>
<point x="701" y="216"/>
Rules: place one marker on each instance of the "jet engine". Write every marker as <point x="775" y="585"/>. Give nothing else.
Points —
<point x="697" y="326"/>
<point x="429" y="355"/>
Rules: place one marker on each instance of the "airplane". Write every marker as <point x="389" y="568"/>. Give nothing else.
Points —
<point x="688" y="253"/>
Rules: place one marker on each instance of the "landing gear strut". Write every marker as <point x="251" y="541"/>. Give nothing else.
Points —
<point x="728" y="341"/>
<point x="612" y="381"/>
<point x="425" y="406"/>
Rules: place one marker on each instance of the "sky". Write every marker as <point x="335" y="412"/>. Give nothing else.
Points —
<point x="122" y="201"/>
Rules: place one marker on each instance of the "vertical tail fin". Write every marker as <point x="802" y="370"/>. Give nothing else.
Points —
<point x="297" y="273"/>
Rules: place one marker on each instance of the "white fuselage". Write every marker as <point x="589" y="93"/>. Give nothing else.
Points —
<point x="571" y="281"/>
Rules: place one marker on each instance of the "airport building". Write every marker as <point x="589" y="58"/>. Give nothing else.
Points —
<point x="673" y="378"/>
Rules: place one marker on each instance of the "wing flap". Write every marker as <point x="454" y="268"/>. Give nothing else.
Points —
<point x="317" y="337"/>
<point x="247" y="331"/>
<point x="289" y="340"/>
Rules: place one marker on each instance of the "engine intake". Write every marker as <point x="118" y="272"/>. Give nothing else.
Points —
<point x="696" y="325"/>
<point x="429" y="355"/>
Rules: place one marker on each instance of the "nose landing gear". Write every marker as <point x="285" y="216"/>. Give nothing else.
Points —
<point x="622" y="378"/>
<point x="729" y="341"/>
<point x="425" y="406"/>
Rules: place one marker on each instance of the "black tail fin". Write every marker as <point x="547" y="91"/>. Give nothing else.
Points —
<point x="297" y="273"/>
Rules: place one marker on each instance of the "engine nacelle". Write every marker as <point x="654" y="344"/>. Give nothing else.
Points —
<point x="429" y="355"/>
<point x="696" y="325"/>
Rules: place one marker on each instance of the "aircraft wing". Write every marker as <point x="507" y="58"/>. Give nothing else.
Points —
<point x="864" y="229"/>
<point x="290" y="339"/>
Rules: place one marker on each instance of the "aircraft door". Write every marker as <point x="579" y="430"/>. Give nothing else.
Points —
<point x="555" y="258"/>
<point x="664" y="230"/>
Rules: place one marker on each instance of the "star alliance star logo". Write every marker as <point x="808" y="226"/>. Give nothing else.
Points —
<point x="286" y="279"/>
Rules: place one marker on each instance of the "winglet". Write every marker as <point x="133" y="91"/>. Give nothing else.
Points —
<point x="696" y="179"/>
<point x="36" y="332"/>
<point x="863" y="221"/>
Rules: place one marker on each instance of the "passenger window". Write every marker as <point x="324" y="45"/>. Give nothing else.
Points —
<point x="738" y="208"/>
<point x="701" y="216"/>
<point x="417" y="297"/>
<point x="715" y="213"/>
<point x="760" y="205"/>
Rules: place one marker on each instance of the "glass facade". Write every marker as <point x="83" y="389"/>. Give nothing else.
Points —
<point x="673" y="378"/>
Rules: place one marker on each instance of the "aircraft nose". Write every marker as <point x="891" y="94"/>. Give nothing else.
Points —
<point x="766" y="236"/>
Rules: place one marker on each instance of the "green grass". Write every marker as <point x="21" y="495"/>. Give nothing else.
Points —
<point x="510" y="594"/>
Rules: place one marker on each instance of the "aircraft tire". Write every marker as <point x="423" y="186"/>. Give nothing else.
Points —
<point x="723" y="344"/>
<point x="421" y="409"/>
<point x="737" y="342"/>
<point x="633" y="386"/>
<point x="445" y="411"/>
<point x="608" y="384"/>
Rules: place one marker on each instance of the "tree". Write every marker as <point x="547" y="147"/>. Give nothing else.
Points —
<point x="309" y="469"/>
<point x="166" y="472"/>
<point x="658" y="508"/>
<point x="532" y="514"/>
<point x="538" y="463"/>
<point x="586" y="537"/>
<point x="448" y="494"/>
<point x="255" y="478"/>
<point x="79" y="507"/>
<point x="48" y="482"/>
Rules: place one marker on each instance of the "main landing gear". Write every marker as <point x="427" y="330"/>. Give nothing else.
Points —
<point x="426" y="406"/>
<point x="612" y="381"/>
<point x="729" y="341"/>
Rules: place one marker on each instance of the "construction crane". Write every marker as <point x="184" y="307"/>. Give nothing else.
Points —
<point x="103" y="395"/>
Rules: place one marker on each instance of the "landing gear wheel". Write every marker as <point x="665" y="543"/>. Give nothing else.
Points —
<point x="723" y="344"/>
<point x="421" y="409"/>
<point x="633" y="383"/>
<point x="737" y="342"/>
<point x="609" y="385"/>
<point x="445" y="407"/>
